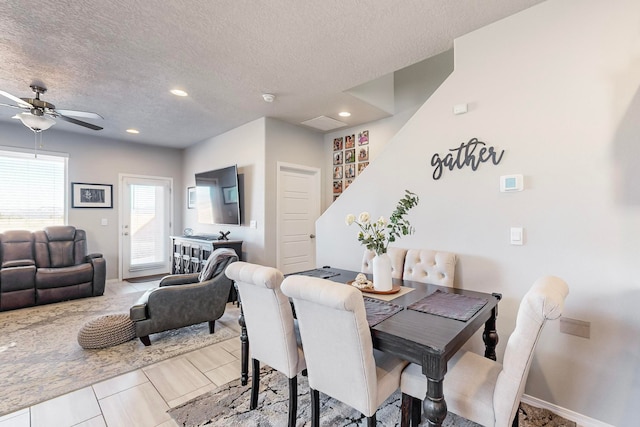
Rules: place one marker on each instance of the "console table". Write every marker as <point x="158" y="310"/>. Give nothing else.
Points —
<point x="191" y="252"/>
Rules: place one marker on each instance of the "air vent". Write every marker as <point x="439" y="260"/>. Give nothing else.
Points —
<point x="324" y="123"/>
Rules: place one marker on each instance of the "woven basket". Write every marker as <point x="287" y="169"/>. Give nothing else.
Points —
<point x="106" y="331"/>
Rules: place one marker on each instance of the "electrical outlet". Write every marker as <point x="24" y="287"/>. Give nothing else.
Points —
<point x="579" y="328"/>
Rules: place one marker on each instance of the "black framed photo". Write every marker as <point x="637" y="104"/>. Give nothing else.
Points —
<point x="191" y="197"/>
<point x="84" y="195"/>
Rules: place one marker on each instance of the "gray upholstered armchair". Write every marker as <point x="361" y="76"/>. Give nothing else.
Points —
<point x="185" y="299"/>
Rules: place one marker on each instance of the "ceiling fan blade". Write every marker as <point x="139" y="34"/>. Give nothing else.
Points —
<point x="12" y="106"/>
<point x="83" y="114"/>
<point x="20" y="102"/>
<point x="78" y="122"/>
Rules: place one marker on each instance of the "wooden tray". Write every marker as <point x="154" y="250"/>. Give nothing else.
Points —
<point x="394" y="289"/>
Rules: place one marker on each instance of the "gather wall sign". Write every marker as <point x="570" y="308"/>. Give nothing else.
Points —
<point x="465" y="155"/>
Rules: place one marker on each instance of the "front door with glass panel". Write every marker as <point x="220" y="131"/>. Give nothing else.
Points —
<point x="145" y="226"/>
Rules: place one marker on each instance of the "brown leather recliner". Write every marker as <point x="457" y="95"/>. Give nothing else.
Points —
<point x="17" y="270"/>
<point x="64" y="270"/>
<point x="47" y="266"/>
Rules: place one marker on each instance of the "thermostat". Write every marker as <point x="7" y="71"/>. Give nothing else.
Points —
<point x="511" y="183"/>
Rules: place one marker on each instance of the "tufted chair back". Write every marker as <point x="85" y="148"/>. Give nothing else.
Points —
<point x="544" y="301"/>
<point x="428" y="266"/>
<point x="16" y="245"/>
<point x="268" y="317"/>
<point x="397" y="261"/>
<point x="485" y="391"/>
<point x="338" y="346"/>
<point x="60" y="246"/>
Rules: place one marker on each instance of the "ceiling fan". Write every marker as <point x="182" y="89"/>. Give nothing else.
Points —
<point x="39" y="113"/>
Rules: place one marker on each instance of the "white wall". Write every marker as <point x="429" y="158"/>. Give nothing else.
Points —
<point x="255" y="147"/>
<point x="413" y="85"/>
<point x="99" y="160"/>
<point x="244" y="146"/>
<point x="291" y="144"/>
<point x="556" y="87"/>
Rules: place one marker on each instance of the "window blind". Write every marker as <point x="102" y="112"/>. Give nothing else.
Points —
<point x="32" y="190"/>
<point x="148" y="241"/>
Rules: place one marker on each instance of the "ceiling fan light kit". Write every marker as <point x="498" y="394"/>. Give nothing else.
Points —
<point x="40" y="114"/>
<point x="35" y="123"/>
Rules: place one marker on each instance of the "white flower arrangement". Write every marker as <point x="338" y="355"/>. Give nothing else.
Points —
<point x="377" y="235"/>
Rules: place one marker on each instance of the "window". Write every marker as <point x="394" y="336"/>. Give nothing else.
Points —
<point x="32" y="190"/>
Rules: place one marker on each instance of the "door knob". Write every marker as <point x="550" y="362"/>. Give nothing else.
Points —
<point x="313" y="236"/>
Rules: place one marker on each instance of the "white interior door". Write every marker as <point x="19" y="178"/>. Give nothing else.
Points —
<point x="145" y="226"/>
<point x="298" y="208"/>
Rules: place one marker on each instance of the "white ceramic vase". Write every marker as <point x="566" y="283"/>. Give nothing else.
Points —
<point x="382" y="273"/>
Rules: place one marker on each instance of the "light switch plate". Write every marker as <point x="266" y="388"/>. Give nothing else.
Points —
<point x="460" y="109"/>
<point x="517" y="236"/>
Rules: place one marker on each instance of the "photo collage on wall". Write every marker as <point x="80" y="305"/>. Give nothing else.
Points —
<point x="350" y="157"/>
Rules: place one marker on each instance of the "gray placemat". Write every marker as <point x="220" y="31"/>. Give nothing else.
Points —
<point x="318" y="272"/>
<point x="453" y="306"/>
<point x="377" y="310"/>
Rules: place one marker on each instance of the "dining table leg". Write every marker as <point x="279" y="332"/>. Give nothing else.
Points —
<point x="244" y="345"/>
<point x="434" y="406"/>
<point x="490" y="334"/>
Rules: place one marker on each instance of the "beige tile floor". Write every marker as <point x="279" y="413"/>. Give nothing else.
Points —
<point x="140" y="398"/>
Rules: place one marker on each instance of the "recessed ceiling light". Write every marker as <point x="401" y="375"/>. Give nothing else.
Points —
<point x="134" y="131"/>
<point x="179" y="92"/>
<point x="344" y="114"/>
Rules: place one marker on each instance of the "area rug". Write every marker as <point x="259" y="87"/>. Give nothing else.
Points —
<point x="40" y="357"/>
<point x="228" y="405"/>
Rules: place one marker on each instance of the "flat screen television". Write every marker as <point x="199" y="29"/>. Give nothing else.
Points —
<point x="218" y="196"/>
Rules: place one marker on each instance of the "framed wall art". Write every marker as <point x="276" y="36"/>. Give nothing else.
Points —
<point x="337" y="144"/>
<point x="350" y="155"/>
<point x="363" y="137"/>
<point x="85" y="195"/>
<point x="363" y="154"/>
<point x="361" y="167"/>
<point x="349" y="141"/>
<point x="191" y="197"/>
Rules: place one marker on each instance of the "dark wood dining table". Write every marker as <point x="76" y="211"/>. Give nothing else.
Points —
<point x="428" y="340"/>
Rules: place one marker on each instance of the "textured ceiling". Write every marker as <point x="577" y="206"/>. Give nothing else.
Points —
<point x="119" y="58"/>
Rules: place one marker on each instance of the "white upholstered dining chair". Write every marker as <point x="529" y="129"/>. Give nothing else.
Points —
<point x="397" y="261"/>
<point x="338" y="347"/>
<point x="429" y="266"/>
<point x="480" y="389"/>
<point x="269" y="320"/>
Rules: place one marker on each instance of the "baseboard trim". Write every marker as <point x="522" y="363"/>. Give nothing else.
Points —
<point x="580" y="420"/>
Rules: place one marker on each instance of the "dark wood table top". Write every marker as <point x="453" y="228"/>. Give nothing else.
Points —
<point x="415" y="335"/>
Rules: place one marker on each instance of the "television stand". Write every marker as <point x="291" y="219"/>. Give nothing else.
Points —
<point x="191" y="252"/>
